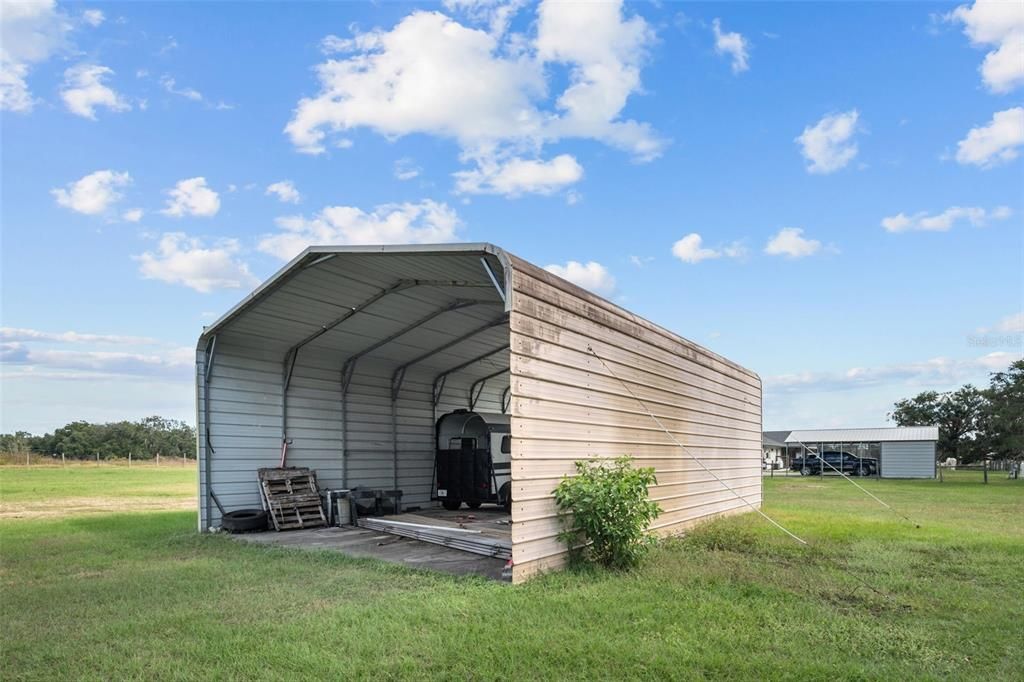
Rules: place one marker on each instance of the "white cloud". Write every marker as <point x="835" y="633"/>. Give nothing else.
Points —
<point x="690" y="249"/>
<point x="428" y="74"/>
<point x="516" y="176"/>
<point x="999" y="24"/>
<point x="94" y="193"/>
<point x="791" y="243"/>
<point x="93" y="17"/>
<point x="828" y="145"/>
<point x="497" y="14"/>
<point x="185" y="260"/>
<point x="285" y="191"/>
<point x="174" y="362"/>
<point x="30" y="33"/>
<point x="940" y="370"/>
<point x="14" y="92"/>
<point x="192" y="197"/>
<point x="592" y="275"/>
<point x="640" y="261"/>
<point x="995" y="143"/>
<point x="489" y="92"/>
<point x="426" y="222"/>
<point x="84" y="90"/>
<point x="19" y="334"/>
<point x="133" y="215"/>
<point x="732" y="44"/>
<point x="406" y="169"/>
<point x="170" y="85"/>
<point x="941" y="222"/>
<point x="332" y="44"/>
<point x="1011" y="324"/>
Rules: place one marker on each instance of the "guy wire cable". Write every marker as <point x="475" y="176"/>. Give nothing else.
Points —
<point x="833" y="561"/>
<point x="863" y="490"/>
<point x="691" y="456"/>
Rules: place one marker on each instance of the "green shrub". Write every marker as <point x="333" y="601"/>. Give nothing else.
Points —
<point x="606" y="513"/>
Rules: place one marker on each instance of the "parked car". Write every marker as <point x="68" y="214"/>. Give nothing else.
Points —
<point x="844" y="462"/>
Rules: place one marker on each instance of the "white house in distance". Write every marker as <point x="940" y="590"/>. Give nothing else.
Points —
<point x="901" y="451"/>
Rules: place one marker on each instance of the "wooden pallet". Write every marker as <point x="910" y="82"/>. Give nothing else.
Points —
<point x="291" y="498"/>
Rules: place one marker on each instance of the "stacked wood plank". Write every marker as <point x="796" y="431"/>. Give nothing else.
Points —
<point x="291" y="498"/>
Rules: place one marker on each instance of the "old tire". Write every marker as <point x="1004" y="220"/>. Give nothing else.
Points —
<point x="473" y="505"/>
<point x="505" y="497"/>
<point x="451" y="505"/>
<point x="244" y="521"/>
<point x="862" y="470"/>
<point x="805" y="471"/>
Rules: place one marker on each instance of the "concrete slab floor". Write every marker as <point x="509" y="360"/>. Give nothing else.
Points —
<point x="359" y="542"/>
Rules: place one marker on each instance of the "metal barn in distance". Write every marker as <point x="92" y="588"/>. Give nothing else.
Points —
<point x="347" y="358"/>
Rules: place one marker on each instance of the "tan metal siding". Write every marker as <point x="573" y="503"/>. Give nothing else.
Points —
<point x="566" y="406"/>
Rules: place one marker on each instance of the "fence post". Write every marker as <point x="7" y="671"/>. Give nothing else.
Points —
<point x="63" y="464"/>
<point x="97" y="459"/>
<point x="158" y="458"/>
<point x="27" y="462"/>
<point x="940" y="473"/>
<point x="986" y="471"/>
<point x="129" y="459"/>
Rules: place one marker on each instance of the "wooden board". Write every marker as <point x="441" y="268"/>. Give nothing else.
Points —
<point x="291" y="497"/>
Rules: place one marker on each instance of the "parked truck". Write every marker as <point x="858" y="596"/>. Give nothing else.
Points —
<point x="835" y="462"/>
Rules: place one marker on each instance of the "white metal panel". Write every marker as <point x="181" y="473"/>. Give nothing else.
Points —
<point x="890" y="434"/>
<point x="908" y="459"/>
<point x="245" y="416"/>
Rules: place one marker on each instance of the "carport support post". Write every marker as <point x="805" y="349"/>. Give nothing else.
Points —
<point x="208" y="355"/>
<point x="394" y="440"/>
<point x="344" y="436"/>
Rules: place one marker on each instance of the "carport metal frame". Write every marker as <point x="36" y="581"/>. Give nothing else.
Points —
<point x="398" y="377"/>
<point x="311" y="257"/>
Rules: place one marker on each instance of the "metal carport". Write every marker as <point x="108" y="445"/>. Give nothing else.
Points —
<point x="348" y="354"/>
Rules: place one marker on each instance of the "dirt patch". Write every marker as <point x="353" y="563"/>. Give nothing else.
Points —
<point x="37" y="509"/>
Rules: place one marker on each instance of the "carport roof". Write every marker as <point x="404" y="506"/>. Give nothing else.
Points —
<point x="315" y="256"/>
<point x="895" y="433"/>
<point x="440" y="308"/>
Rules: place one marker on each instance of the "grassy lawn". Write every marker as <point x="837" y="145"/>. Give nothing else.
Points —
<point x="52" y="490"/>
<point x="141" y="595"/>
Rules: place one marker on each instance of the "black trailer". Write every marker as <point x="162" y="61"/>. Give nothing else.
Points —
<point x="472" y="461"/>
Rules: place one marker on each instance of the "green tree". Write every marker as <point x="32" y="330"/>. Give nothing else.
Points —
<point x="958" y="414"/>
<point x="144" y="439"/>
<point x="1003" y="426"/>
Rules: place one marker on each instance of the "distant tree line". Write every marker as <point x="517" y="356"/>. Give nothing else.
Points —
<point x="974" y="423"/>
<point x="144" y="439"/>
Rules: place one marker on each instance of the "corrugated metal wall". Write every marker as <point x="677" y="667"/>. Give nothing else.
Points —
<point x="245" y="421"/>
<point x="566" y="407"/>
<point x="908" y="459"/>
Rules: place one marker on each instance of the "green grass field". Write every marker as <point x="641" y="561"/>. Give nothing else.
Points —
<point x="82" y="487"/>
<point x="142" y="595"/>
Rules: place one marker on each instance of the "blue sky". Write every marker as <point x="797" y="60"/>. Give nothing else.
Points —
<point x="829" y="194"/>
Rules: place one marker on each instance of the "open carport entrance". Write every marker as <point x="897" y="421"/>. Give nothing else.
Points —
<point x="343" y="363"/>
